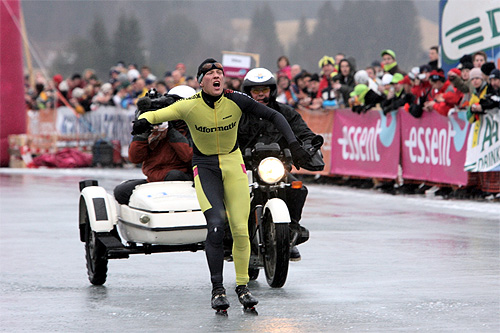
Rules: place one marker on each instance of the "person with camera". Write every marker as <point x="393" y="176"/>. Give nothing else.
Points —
<point x="260" y="84"/>
<point x="221" y="183"/>
<point x="165" y="151"/>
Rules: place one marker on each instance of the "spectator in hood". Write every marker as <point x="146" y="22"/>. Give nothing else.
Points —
<point x="389" y="63"/>
<point x="345" y="84"/>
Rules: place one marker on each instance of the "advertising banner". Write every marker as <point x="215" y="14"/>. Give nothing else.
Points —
<point x="467" y="27"/>
<point x="109" y="122"/>
<point x="236" y="65"/>
<point x="483" y="144"/>
<point x="365" y="145"/>
<point x="434" y="147"/>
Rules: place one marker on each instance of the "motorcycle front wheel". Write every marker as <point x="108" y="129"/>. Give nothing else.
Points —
<point x="277" y="251"/>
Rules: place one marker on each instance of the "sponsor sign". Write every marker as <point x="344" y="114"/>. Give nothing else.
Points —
<point x="236" y="65"/>
<point x="365" y="145"/>
<point x="433" y="147"/>
<point x="467" y="27"/>
<point x="483" y="144"/>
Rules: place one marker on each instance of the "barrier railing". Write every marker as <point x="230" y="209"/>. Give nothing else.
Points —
<point x="432" y="148"/>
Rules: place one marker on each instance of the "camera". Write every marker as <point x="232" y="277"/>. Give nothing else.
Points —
<point x="158" y="101"/>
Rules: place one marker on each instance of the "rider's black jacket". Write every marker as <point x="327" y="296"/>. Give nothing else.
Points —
<point x="253" y="129"/>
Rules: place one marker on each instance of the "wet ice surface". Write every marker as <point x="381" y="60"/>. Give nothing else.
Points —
<point x="375" y="262"/>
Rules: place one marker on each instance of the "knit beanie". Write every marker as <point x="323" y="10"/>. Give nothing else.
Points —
<point x="202" y="71"/>
<point x="487" y="67"/>
<point x="475" y="73"/>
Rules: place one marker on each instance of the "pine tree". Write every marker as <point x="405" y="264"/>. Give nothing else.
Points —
<point x="298" y="51"/>
<point x="321" y="40"/>
<point x="175" y="42"/>
<point x="263" y="38"/>
<point x="127" y="43"/>
<point x="100" y="47"/>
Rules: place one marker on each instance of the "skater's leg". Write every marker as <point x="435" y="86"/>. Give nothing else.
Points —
<point x="209" y="190"/>
<point x="237" y="202"/>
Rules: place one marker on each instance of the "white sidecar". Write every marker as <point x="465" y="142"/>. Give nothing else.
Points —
<point x="160" y="217"/>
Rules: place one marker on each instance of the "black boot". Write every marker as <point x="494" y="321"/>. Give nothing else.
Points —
<point x="245" y="297"/>
<point x="294" y="254"/>
<point x="219" y="299"/>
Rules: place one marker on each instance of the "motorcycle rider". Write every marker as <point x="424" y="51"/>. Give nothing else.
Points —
<point x="260" y="84"/>
<point x="221" y="183"/>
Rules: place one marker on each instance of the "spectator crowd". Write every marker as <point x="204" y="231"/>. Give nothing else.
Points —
<point x="474" y="86"/>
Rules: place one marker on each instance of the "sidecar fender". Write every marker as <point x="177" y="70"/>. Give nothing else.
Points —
<point x="278" y="210"/>
<point x="100" y="208"/>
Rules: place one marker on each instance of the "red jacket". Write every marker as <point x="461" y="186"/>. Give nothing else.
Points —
<point x="170" y="152"/>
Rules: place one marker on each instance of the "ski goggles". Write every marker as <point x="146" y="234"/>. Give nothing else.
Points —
<point x="258" y="90"/>
<point x="208" y="67"/>
<point x="211" y="65"/>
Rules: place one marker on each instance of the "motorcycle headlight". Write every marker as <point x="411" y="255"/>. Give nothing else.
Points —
<point x="271" y="170"/>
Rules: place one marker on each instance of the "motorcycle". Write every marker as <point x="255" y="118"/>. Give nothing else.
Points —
<point x="166" y="217"/>
<point x="269" y="221"/>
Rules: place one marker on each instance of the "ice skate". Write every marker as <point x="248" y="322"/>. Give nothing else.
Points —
<point x="246" y="299"/>
<point x="219" y="301"/>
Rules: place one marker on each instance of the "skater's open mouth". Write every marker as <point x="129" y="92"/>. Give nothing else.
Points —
<point x="216" y="84"/>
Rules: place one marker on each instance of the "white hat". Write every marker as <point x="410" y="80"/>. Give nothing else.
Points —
<point x="77" y="92"/>
<point x="133" y="74"/>
<point x="386" y="79"/>
<point x="361" y="77"/>
<point x="63" y="86"/>
<point x="106" y="87"/>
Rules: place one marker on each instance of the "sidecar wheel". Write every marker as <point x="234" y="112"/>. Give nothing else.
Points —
<point x="95" y="255"/>
<point x="276" y="259"/>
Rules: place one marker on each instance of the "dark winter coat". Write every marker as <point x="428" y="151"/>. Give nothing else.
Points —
<point x="252" y="129"/>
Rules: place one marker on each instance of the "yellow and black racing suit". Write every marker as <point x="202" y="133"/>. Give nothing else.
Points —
<point x="219" y="171"/>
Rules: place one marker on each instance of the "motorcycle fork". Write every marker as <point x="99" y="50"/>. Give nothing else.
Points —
<point x="258" y="223"/>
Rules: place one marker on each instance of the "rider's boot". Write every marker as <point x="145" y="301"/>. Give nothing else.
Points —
<point x="294" y="254"/>
<point x="245" y="297"/>
<point x="219" y="299"/>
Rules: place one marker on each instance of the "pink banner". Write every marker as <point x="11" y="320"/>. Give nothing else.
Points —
<point x="365" y="145"/>
<point x="434" y="147"/>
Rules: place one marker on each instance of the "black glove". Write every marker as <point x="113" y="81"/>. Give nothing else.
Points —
<point x="141" y="126"/>
<point x="300" y="155"/>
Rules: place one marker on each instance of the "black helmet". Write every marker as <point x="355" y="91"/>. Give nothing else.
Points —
<point x="260" y="77"/>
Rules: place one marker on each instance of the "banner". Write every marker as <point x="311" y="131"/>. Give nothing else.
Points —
<point x="236" y="65"/>
<point x="483" y="144"/>
<point x="433" y="147"/>
<point x="320" y="122"/>
<point x="466" y="27"/>
<point x="110" y="122"/>
<point x="365" y="145"/>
